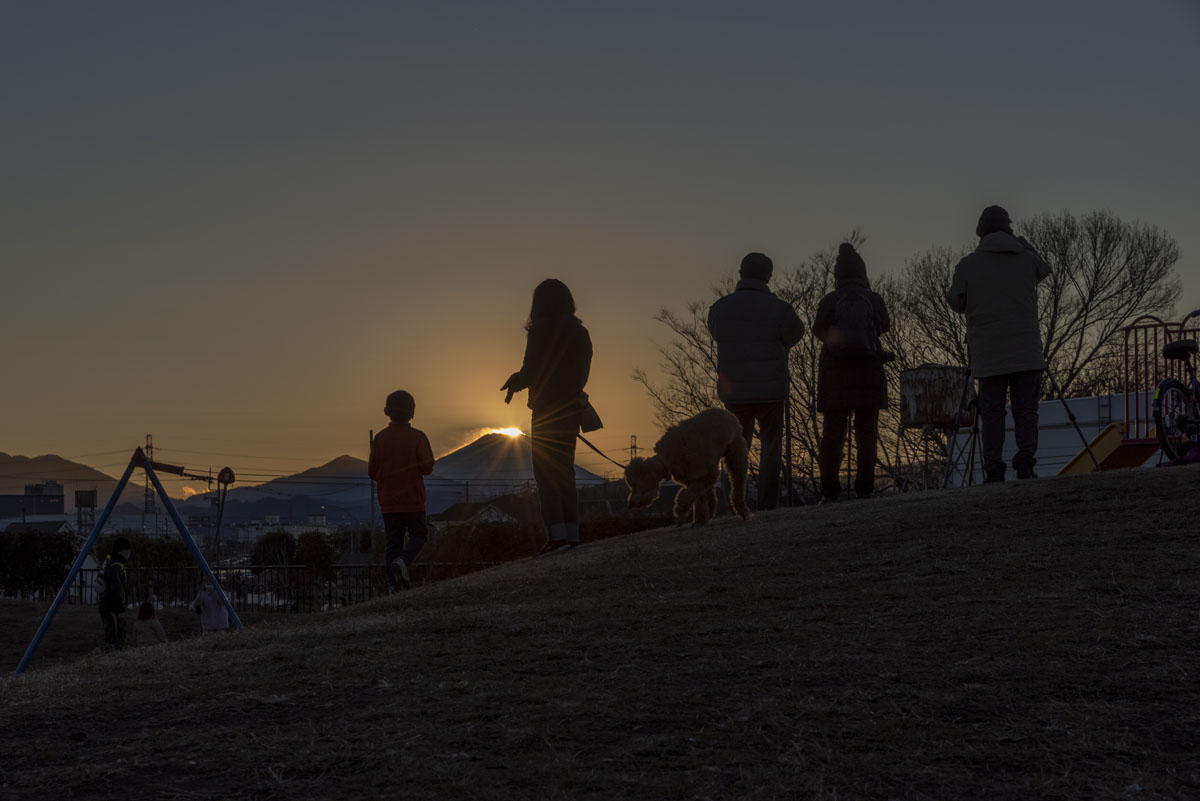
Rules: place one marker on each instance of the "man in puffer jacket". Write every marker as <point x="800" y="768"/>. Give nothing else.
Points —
<point x="754" y="330"/>
<point x="996" y="288"/>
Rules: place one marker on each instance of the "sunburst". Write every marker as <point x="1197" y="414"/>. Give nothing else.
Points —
<point x="508" y="432"/>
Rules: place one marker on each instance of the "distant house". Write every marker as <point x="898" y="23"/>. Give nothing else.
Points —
<point x="40" y="527"/>
<point x="515" y="508"/>
<point x="1058" y="440"/>
<point x="252" y="531"/>
<point x="38" y="499"/>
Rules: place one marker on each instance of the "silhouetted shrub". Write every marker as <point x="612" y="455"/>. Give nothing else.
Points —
<point x="273" y="548"/>
<point x="314" y="551"/>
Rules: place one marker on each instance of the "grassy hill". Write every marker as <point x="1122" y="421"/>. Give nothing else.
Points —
<point x="1021" y="641"/>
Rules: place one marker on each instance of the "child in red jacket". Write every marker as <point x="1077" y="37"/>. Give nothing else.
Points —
<point x="400" y="457"/>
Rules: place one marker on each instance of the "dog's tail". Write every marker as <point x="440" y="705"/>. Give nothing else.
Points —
<point x="737" y="462"/>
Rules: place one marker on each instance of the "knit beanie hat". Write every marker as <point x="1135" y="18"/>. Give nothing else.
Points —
<point x="121" y="544"/>
<point x="400" y="404"/>
<point x="993" y="219"/>
<point x="849" y="264"/>
<point x="756" y="265"/>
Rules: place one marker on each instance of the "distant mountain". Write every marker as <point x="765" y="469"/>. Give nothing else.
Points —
<point x="345" y="476"/>
<point x="494" y="464"/>
<point x="496" y="457"/>
<point x="17" y="471"/>
<point x="339" y="489"/>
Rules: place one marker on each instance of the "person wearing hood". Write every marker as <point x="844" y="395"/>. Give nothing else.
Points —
<point x="995" y="287"/>
<point x="210" y="606"/>
<point x="754" y="330"/>
<point x="850" y="377"/>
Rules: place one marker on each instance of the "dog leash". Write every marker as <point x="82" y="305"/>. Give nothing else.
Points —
<point x="583" y="439"/>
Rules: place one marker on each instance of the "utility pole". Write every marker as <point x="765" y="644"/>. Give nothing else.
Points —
<point x="633" y="446"/>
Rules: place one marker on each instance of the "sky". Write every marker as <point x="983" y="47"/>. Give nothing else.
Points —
<point x="239" y="226"/>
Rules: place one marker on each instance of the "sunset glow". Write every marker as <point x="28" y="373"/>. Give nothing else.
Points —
<point x="508" y="432"/>
<point x="544" y="157"/>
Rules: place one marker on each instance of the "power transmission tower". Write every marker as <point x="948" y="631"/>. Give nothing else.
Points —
<point x="148" y="507"/>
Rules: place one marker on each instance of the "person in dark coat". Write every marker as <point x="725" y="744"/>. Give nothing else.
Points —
<point x="113" y="600"/>
<point x="754" y="330"/>
<point x="850" y="380"/>
<point x="558" y="359"/>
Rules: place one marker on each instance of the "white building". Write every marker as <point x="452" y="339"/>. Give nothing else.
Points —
<point x="251" y="532"/>
<point x="1058" y="441"/>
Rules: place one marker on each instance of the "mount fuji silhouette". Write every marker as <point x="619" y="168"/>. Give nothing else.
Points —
<point x="494" y="464"/>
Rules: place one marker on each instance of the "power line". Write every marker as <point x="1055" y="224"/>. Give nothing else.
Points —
<point x="308" y="459"/>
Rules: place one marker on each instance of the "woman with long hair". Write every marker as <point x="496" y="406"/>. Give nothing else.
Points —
<point x="558" y="358"/>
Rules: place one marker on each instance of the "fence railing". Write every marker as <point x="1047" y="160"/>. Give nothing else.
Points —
<point x="268" y="588"/>
<point x="1145" y="366"/>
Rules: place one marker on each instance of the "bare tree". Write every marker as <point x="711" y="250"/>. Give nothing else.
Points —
<point x="924" y="328"/>
<point x="689" y="360"/>
<point x="689" y="364"/>
<point x="1105" y="273"/>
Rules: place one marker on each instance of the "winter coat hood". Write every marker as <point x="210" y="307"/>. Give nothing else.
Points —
<point x="995" y="287"/>
<point x="1000" y="242"/>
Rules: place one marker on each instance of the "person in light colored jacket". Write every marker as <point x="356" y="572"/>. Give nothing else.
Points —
<point x="210" y="606"/>
<point x="146" y="629"/>
<point x="996" y="288"/>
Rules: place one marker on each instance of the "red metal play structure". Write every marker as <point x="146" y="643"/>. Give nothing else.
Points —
<point x="1132" y="442"/>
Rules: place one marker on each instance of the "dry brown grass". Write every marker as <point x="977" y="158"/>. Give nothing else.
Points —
<point x="1022" y="641"/>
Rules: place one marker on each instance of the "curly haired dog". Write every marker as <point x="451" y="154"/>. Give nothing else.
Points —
<point x="690" y="452"/>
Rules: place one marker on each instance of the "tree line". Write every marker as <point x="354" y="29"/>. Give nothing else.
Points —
<point x="1105" y="273"/>
<point x="32" y="562"/>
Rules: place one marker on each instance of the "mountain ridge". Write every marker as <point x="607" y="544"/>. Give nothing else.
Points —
<point x="492" y="464"/>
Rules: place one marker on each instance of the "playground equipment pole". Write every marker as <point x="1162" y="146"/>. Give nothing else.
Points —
<point x="75" y="568"/>
<point x="1071" y="415"/>
<point x="138" y="460"/>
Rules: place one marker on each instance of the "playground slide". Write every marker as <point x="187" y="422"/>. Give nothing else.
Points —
<point x="1112" y="452"/>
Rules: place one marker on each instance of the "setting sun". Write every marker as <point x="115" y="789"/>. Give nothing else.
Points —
<point x="508" y="432"/>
